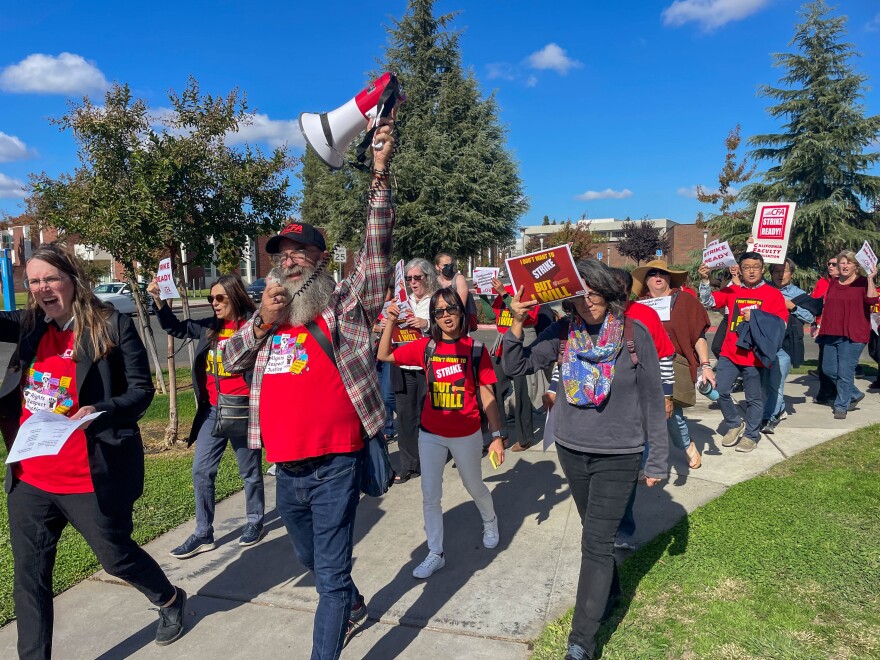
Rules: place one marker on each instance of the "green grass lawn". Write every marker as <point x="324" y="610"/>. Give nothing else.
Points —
<point x="786" y="565"/>
<point x="167" y="502"/>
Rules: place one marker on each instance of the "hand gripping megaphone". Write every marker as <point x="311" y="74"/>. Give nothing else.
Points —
<point x="330" y="133"/>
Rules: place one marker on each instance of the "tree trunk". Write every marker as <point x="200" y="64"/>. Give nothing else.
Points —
<point x="171" y="430"/>
<point x="146" y="331"/>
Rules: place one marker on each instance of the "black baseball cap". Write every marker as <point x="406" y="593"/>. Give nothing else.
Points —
<point x="301" y="232"/>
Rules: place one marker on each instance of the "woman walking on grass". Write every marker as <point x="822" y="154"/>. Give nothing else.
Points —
<point x="458" y="370"/>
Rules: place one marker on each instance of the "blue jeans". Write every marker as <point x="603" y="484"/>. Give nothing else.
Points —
<point x="317" y="500"/>
<point x="773" y="382"/>
<point x="677" y="429"/>
<point x="209" y="452"/>
<point x="725" y="375"/>
<point x="383" y="370"/>
<point x="839" y="360"/>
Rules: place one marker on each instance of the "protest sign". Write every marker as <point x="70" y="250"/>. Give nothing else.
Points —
<point x="165" y="280"/>
<point x="483" y="279"/>
<point x="719" y="255"/>
<point x="771" y="230"/>
<point x="546" y="275"/>
<point x="403" y="334"/>
<point x="866" y="257"/>
<point x="661" y="305"/>
<point x="400" y="291"/>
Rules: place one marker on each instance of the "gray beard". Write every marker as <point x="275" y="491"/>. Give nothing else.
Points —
<point x="307" y="302"/>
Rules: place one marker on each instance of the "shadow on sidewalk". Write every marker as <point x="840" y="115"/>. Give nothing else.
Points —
<point x="525" y="490"/>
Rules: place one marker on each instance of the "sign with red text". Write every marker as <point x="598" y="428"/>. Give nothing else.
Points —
<point x="165" y="280"/>
<point x="546" y="275"/>
<point x="718" y="255"/>
<point x="400" y="291"/>
<point x="771" y="230"/>
<point x="866" y="257"/>
<point x="483" y="279"/>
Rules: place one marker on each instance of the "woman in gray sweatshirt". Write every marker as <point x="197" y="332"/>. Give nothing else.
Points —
<point x="609" y="404"/>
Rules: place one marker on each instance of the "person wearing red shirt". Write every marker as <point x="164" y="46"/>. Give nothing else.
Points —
<point x="450" y="416"/>
<point x="827" y="390"/>
<point x="76" y="356"/>
<point x="754" y="293"/>
<point x="846" y="328"/>
<point x="231" y="306"/>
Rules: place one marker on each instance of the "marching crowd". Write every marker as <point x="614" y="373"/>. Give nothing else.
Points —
<point x="312" y="378"/>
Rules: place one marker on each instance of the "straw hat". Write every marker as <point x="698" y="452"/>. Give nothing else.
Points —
<point x="676" y="277"/>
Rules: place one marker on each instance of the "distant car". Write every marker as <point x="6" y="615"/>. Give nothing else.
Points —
<point x="119" y="294"/>
<point x="255" y="289"/>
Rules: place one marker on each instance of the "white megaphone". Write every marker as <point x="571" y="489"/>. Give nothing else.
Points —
<point x="330" y="133"/>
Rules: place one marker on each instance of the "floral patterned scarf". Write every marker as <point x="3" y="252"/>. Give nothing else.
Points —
<point x="587" y="369"/>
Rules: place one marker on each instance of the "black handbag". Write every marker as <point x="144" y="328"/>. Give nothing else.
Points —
<point x="233" y="411"/>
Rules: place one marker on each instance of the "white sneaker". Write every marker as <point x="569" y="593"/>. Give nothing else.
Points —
<point x="490" y="533"/>
<point x="433" y="562"/>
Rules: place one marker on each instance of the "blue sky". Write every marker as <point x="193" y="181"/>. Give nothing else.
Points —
<point x="612" y="108"/>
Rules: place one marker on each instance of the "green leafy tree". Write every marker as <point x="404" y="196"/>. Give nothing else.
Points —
<point x="820" y="158"/>
<point x="578" y="235"/>
<point x="546" y="221"/>
<point x="641" y="240"/>
<point x="141" y="193"/>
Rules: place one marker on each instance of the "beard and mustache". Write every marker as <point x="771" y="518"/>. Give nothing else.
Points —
<point x="309" y="295"/>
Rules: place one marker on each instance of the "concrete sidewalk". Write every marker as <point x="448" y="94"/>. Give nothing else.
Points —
<point x="485" y="604"/>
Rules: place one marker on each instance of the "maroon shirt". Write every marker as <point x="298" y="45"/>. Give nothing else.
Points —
<point x="847" y="311"/>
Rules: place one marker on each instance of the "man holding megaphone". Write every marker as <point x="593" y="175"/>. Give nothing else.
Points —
<point x="315" y="398"/>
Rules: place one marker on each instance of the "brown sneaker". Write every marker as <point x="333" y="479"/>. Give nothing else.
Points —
<point x="733" y="435"/>
<point x="746" y="445"/>
<point x="520" y="447"/>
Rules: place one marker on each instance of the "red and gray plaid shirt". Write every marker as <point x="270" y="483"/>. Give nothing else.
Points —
<point x="354" y="306"/>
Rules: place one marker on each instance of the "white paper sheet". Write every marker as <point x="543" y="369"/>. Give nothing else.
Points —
<point x="44" y="434"/>
<point x="165" y="280"/>
<point x="661" y="305"/>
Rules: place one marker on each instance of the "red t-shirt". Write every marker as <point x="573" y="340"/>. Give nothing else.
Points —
<point x="451" y="409"/>
<point x="305" y="410"/>
<point x="503" y="319"/>
<point x="229" y="383"/>
<point x="652" y="322"/>
<point x="847" y="311"/>
<point x="687" y="289"/>
<point x="737" y="299"/>
<point x="51" y="385"/>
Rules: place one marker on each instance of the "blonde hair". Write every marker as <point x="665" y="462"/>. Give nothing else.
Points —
<point x="88" y="311"/>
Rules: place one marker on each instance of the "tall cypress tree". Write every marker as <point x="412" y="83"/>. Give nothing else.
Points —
<point x="820" y="156"/>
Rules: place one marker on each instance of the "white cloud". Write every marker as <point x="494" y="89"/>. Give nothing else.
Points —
<point x="710" y="14"/>
<point x="274" y="132"/>
<point x="11" y="188"/>
<point x="44" y="74"/>
<point x="531" y="81"/>
<point x="11" y="148"/>
<point x="552" y="57"/>
<point x="692" y="191"/>
<point x="608" y="193"/>
<point x="874" y="24"/>
<point x="501" y="70"/>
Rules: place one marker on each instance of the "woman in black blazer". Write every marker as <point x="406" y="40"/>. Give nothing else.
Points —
<point x="77" y="356"/>
<point x="232" y="307"/>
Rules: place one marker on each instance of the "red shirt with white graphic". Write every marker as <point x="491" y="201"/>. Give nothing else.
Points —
<point x="51" y="385"/>
<point x="229" y="383"/>
<point x="451" y="409"/>
<point x="305" y="411"/>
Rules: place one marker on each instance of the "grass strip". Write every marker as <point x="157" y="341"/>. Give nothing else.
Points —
<point x="786" y="565"/>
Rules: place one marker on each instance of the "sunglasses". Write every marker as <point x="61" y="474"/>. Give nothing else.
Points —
<point x="220" y="298"/>
<point x="655" y="273"/>
<point x="414" y="278"/>
<point x="832" y="263"/>
<point x="452" y="310"/>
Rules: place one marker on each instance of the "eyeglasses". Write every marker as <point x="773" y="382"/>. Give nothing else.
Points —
<point x="292" y="255"/>
<point x="832" y="263"/>
<point x="414" y="278"/>
<point x="595" y="298"/>
<point x="751" y="268"/>
<point x="452" y="310"/>
<point x="52" y="281"/>
<point x="655" y="273"/>
<point x="220" y="298"/>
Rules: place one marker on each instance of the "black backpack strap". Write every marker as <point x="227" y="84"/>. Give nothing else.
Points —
<point x="476" y="358"/>
<point x="430" y="347"/>
<point x="629" y="338"/>
<point x="322" y="339"/>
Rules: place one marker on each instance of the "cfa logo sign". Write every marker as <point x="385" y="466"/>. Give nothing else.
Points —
<point x="772" y="222"/>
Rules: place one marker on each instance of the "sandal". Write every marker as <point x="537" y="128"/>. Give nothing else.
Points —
<point x="693" y="454"/>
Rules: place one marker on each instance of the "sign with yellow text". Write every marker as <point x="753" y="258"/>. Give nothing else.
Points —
<point x="403" y="334"/>
<point x="546" y="275"/>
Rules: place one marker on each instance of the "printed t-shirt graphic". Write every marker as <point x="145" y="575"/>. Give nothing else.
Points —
<point x="451" y="409"/>
<point x="305" y="410"/>
<point x="50" y="385"/>
<point x="736" y="299"/>
<point x="229" y="383"/>
<point x="503" y="319"/>
<point x="740" y="305"/>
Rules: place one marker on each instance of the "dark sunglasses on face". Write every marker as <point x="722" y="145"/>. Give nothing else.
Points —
<point x="414" y="278"/>
<point x="220" y="298"/>
<point x="655" y="273"/>
<point x="832" y="263"/>
<point x="452" y="310"/>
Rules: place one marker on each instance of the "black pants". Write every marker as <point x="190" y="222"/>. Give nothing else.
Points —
<point x="410" y="397"/>
<point x="521" y="427"/>
<point x="600" y="485"/>
<point x="36" y="520"/>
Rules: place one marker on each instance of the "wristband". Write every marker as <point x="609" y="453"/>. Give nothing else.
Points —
<point x="496" y="434"/>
